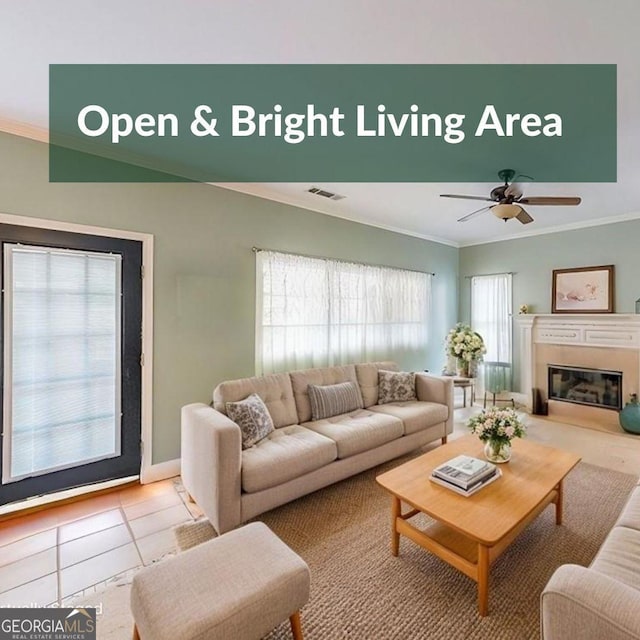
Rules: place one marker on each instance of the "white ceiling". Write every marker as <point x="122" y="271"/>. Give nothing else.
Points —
<point x="36" y="33"/>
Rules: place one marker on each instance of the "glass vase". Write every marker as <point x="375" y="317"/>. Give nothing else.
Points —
<point x="497" y="451"/>
<point x="463" y="368"/>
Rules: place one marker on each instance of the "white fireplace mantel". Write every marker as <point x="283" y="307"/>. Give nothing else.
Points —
<point x="619" y="330"/>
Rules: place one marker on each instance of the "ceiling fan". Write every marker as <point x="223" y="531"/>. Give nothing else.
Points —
<point x="507" y="199"/>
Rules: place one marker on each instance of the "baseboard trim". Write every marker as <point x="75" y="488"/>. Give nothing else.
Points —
<point x="38" y="503"/>
<point x="161" y="471"/>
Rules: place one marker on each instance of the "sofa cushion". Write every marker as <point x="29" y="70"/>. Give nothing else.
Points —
<point x="275" y="391"/>
<point x="630" y="516"/>
<point x="396" y="386"/>
<point x="300" y="381"/>
<point x="367" y="374"/>
<point x="619" y="556"/>
<point x="334" y="399"/>
<point x="358" y="431"/>
<point x="283" y="455"/>
<point x="252" y="416"/>
<point x="415" y="415"/>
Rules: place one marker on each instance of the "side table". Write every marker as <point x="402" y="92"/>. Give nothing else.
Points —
<point x="464" y="384"/>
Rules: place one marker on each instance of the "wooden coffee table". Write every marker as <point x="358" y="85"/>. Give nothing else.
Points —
<point x="471" y="532"/>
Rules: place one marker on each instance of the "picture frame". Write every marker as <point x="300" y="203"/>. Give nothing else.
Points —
<point x="583" y="290"/>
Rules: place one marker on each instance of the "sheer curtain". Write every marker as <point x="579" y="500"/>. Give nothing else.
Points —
<point x="315" y="312"/>
<point x="491" y="314"/>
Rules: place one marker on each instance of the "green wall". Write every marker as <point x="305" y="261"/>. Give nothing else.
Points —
<point x="533" y="259"/>
<point x="204" y="269"/>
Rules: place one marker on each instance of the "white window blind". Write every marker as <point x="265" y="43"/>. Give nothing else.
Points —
<point x="62" y="359"/>
<point x="491" y="314"/>
<point x="315" y="312"/>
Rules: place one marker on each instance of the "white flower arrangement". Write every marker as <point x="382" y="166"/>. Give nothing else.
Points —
<point x="465" y="344"/>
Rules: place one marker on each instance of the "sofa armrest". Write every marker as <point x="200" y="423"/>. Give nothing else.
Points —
<point x="211" y="464"/>
<point x="436" y="389"/>
<point x="585" y="604"/>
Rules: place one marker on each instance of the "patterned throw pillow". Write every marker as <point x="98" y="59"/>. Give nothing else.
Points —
<point x="396" y="386"/>
<point x="334" y="399"/>
<point x="253" y="418"/>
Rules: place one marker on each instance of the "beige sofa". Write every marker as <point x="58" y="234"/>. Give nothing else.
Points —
<point x="232" y="485"/>
<point x="603" y="601"/>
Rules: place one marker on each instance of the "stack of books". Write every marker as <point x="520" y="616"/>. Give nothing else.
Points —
<point x="465" y="475"/>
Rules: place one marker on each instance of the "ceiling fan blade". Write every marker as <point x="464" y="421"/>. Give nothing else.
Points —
<point x="474" y="213"/>
<point x="452" y="195"/>
<point x="524" y="217"/>
<point x="551" y="200"/>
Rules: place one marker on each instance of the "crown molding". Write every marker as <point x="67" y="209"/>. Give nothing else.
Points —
<point x="41" y="134"/>
<point x="259" y="191"/>
<point x="253" y="189"/>
<point x="573" y="226"/>
<point x="24" y="130"/>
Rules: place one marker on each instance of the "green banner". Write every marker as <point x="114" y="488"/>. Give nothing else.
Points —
<point x="331" y="123"/>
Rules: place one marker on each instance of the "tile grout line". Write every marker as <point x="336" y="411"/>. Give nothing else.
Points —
<point x="153" y="513"/>
<point x="95" y="555"/>
<point x="25" y="537"/>
<point x="24" y="584"/>
<point x="133" y="538"/>
<point x="125" y="520"/>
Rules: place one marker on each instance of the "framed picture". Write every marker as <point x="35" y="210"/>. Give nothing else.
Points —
<point x="583" y="290"/>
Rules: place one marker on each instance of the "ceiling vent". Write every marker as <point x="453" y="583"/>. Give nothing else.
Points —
<point x="325" y="194"/>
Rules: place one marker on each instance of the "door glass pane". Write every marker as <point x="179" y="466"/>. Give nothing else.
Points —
<point x="62" y="367"/>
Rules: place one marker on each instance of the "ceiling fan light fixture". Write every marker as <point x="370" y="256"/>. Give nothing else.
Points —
<point x="506" y="211"/>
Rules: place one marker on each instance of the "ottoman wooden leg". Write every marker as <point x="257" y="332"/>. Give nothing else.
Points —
<point x="136" y="635"/>
<point x="296" y="626"/>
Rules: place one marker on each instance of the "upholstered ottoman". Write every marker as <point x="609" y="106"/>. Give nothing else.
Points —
<point x="235" y="587"/>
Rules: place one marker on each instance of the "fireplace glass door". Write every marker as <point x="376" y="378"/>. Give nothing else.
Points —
<point x="593" y="387"/>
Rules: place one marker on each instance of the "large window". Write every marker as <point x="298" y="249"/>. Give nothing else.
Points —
<point x="491" y="314"/>
<point x="315" y="312"/>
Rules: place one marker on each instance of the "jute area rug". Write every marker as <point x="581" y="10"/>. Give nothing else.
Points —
<point x="359" y="591"/>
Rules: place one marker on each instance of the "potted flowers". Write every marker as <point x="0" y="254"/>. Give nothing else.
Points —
<point x="467" y="346"/>
<point x="496" y="427"/>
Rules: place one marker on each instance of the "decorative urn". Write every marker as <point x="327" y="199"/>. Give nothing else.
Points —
<point x="630" y="416"/>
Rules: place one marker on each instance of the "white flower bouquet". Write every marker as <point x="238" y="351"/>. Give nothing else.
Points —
<point x="465" y="344"/>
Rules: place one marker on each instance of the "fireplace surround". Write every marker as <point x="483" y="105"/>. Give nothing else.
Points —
<point x="608" y="342"/>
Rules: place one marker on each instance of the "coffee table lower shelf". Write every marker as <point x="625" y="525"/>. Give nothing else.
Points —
<point x="472" y="557"/>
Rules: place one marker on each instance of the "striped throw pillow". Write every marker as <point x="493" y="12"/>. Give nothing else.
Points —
<point x="334" y="399"/>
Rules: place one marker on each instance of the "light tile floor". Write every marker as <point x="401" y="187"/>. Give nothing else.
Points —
<point x="48" y="556"/>
<point x="617" y="451"/>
